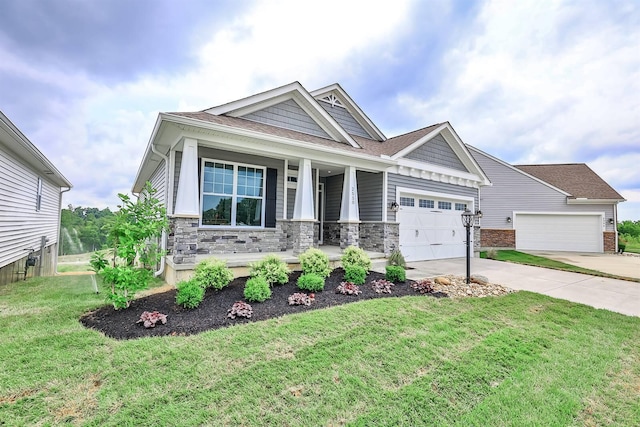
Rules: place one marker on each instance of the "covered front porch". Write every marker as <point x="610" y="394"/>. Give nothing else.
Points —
<point x="239" y="262"/>
<point x="297" y="202"/>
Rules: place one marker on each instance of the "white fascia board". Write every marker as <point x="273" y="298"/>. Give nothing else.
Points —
<point x="353" y="108"/>
<point x="437" y="173"/>
<point x="503" y="163"/>
<point x="254" y="142"/>
<point x="581" y="201"/>
<point x="275" y="96"/>
<point x="35" y="157"/>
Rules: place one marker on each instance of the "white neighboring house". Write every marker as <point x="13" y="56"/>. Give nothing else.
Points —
<point x="30" y="201"/>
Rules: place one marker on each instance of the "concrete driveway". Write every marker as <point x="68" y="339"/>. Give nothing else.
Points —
<point x="620" y="265"/>
<point x="615" y="295"/>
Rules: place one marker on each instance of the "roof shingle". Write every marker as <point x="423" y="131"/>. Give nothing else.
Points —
<point x="576" y="179"/>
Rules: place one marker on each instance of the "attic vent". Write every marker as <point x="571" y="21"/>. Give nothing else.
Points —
<point x="331" y="99"/>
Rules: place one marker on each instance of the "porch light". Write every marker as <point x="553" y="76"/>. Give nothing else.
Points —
<point x="468" y="219"/>
<point x="509" y="219"/>
<point x="611" y="221"/>
<point x="394" y="207"/>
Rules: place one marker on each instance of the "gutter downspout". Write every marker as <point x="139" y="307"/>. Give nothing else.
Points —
<point x="163" y="237"/>
<point x="55" y="263"/>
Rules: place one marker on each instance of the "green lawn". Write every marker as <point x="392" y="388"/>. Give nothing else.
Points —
<point x="521" y="359"/>
<point x="632" y="247"/>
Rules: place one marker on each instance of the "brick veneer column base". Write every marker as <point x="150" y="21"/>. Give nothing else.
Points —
<point x="609" y="241"/>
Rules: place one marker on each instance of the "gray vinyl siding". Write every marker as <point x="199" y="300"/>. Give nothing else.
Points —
<point x="395" y="180"/>
<point x="21" y="226"/>
<point x="345" y="119"/>
<point x="212" y="153"/>
<point x="370" y="189"/>
<point x="513" y="191"/>
<point x="438" y="152"/>
<point x="288" y="115"/>
<point x="158" y="182"/>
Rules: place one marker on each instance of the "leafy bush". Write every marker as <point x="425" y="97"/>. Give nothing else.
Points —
<point x="150" y="318"/>
<point x="257" y="289"/>
<point x="130" y="231"/>
<point x="492" y="253"/>
<point x="272" y="269"/>
<point x="382" y="286"/>
<point x="355" y="256"/>
<point x="311" y="282"/>
<point x="240" y="309"/>
<point x="315" y="261"/>
<point x="355" y="274"/>
<point x="423" y="286"/>
<point x="190" y="294"/>
<point x="395" y="273"/>
<point x="396" y="258"/>
<point x="213" y="273"/>
<point x="348" y="288"/>
<point x="299" y="298"/>
<point x="621" y="246"/>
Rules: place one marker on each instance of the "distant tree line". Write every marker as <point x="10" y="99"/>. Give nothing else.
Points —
<point x="83" y="229"/>
<point x="629" y="228"/>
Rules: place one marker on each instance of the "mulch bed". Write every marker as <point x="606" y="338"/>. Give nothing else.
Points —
<point x="212" y="312"/>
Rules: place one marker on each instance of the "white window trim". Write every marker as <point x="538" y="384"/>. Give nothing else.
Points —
<point x="234" y="196"/>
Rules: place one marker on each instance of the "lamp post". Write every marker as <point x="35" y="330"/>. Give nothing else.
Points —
<point x="468" y="218"/>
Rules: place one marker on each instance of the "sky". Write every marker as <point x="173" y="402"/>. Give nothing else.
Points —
<point x="526" y="81"/>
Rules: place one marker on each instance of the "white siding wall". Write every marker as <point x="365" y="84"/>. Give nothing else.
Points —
<point x="20" y="225"/>
<point x="513" y="191"/>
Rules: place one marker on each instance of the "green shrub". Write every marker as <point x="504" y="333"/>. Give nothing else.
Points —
<point x="190" y="294"/>
<point x="395" y="273"/>
<point x="355" y="256"/>
<point x="396" y="258"/>
<point x="621" y="247"/>
<point x="315" y="261"/>
<point x="311" y="282"/>
<point x="355" y="274"/>
<point x="257" y="289"/>
<point x="492" y="253"/>
<point x="213" y="273"/>
<point x="272" y="269"/>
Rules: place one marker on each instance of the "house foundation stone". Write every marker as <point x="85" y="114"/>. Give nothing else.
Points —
<point x="494" y="238"/>
<point x="349" y="234"/>
<point x="303" y="235"/>
<point x="379" y="236"/>
<point x="609" y="241"/>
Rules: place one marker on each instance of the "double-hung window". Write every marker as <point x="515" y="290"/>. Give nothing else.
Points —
<point x="232" y="194"/>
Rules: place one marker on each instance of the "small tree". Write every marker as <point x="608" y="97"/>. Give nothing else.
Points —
<point x="129" y="233"/>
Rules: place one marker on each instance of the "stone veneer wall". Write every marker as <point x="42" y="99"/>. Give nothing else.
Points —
<point x="304" y="235"/>
<point x="331" y="234"/>
<point x="492" y="238"/>
<point x="609" y="240"/>
<point x="349" y="234"/>
<point x="186" y="240"/>
<point x="379" y="236"/>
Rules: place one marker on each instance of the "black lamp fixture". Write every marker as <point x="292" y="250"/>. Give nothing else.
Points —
<point x="394" y="207"/>
<point x="611" y="221"/>
<point x="509" y="219"/>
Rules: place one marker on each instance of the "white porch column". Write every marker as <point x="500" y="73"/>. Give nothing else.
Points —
<point x="303" y="209"/>
<point x="349" y="211"/>
<point x="187" y="199"/>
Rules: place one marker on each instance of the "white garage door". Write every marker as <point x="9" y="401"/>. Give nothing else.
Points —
<point x="549" y="232"/>
<point x="431" y="228"/>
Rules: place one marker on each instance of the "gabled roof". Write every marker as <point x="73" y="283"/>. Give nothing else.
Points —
<point x="299" y="94"/>
<point x="577" y="179"/>
<point x="356" y="112"/>
<point x="14" y="140"/>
